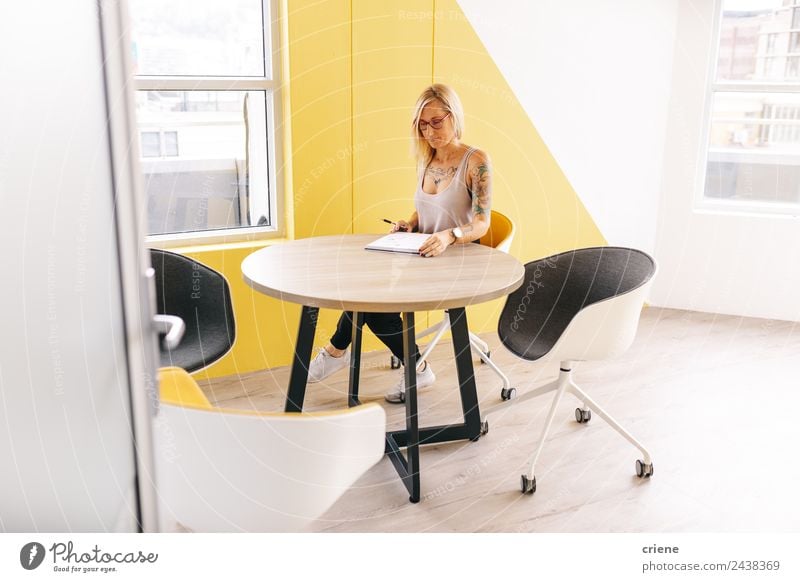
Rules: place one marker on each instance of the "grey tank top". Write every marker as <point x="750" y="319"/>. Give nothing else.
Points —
<point x="449" y="208"/>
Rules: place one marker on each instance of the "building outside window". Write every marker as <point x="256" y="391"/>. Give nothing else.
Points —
<point x="206" y="110"/>
<point x="753" y="153"/>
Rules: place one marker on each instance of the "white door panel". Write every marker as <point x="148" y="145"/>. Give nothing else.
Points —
<point x="66" y="429"/>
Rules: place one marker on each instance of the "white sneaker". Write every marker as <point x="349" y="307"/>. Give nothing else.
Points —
<point x="425" y="378"/>
<point x="325" y="364"/>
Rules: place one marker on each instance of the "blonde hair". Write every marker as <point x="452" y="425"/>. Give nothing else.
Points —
<point x="420" y="147"/>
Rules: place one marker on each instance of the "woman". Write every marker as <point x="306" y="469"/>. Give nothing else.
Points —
<point x="453" y="204"/>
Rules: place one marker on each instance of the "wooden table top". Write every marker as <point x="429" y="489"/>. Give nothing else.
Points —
<point x="337" y="272"/>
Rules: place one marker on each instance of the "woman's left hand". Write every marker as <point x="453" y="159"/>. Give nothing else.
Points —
<point x="436" y="244"/>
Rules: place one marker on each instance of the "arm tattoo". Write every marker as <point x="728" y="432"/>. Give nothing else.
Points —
<point x="481" y="189"/>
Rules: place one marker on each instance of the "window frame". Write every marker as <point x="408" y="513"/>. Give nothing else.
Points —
<point x="703" y="204"/>
<point x="270" y="84"/>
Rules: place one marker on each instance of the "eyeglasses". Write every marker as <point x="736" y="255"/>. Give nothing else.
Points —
<point x="435" y="123"/>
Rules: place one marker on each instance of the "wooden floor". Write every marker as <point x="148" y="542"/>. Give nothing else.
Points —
<point x="715" y="398"/>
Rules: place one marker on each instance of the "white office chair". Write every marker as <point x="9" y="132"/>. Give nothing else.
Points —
<point x="500" y="236"/>
<point x="575" y="306"/>
<point x="223" y="470"/>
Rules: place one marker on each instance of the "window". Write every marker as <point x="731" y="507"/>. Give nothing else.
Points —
<point x="771" y="38"/>
<point x="170" y="143"/>
<point x="157" y="144"/>
<point x="753" y="154"/>
<point x="151" y="144"/>
<point x="206" y="110"/>
<point x="792" y="67"/>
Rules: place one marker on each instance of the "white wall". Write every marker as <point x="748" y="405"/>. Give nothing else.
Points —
<point x="617" y="90"/>
<point x="740" y="264"/>
<point x="594" y="78"/>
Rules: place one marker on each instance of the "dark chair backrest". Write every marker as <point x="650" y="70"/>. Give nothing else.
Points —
<point x="556" y="288"/>
<point x="201" y="297"/>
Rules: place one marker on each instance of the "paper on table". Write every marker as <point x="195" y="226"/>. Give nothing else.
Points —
<point x="399" y="242"/>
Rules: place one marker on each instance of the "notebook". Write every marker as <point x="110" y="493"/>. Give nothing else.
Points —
<point x="399" y="242"/>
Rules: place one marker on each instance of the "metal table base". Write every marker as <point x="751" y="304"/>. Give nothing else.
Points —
<point x="413" y="436"/>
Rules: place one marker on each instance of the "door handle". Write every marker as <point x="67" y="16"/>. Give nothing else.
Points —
<point x="171" y="325"/>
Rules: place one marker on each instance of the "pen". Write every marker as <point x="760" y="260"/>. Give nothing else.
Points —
<point x="401" y="229"/>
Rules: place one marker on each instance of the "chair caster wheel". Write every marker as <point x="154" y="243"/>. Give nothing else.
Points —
<point x="508" y="394"/>
<point x="583" y="416"/>
<point x="394" y="363"/>
<point x="488" y="357"/>
<point x="644" y="470"/>
<point x="528" y="485"/>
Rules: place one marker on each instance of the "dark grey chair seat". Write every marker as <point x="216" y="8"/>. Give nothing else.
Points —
<point x="201" y="297"/>
<point x="558" y="287"/>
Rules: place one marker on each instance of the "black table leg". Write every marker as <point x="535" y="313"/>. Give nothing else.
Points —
<point x="472" y="427"/>
<point x="302" y="359"/>
<point x="408" y="467"/>
<point x="466" y="373"/>
<point x="412" y="437"/>
<point x="355" y="359"/>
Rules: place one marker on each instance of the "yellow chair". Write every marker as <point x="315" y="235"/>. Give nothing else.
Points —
<point x="501" y="232"/>
<point x="500" y="236"/>
<point x="223" y="470"/>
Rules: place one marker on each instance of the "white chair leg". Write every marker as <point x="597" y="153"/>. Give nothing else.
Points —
<point x="439" y="329"/>
<point x="429" y="348"/>
<point x="490" y="363"/>
<point x="444" y="324"/>
<point x="613" y="423"/>
<point x="477" y="342"/>
<point x="562" y="383"/>
<point x="544" y="389"/>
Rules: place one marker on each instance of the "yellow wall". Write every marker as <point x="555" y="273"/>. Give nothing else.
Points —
<point x="355" y="71"/>
<point x="392" y="62"/>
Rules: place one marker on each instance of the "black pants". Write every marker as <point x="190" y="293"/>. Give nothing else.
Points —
<point x="387" y="326"/>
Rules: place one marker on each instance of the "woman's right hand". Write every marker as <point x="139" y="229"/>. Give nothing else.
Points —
<point x="401" y="226"/>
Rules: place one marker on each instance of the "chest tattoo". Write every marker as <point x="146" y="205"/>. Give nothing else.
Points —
<point x="439" y="174"/>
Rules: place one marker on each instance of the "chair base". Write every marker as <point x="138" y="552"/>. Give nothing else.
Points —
<point x="565" y="383"/>
<point x="478" y="345"/>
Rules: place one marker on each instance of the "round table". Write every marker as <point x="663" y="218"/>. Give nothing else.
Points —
<point x="337" y="272"/>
